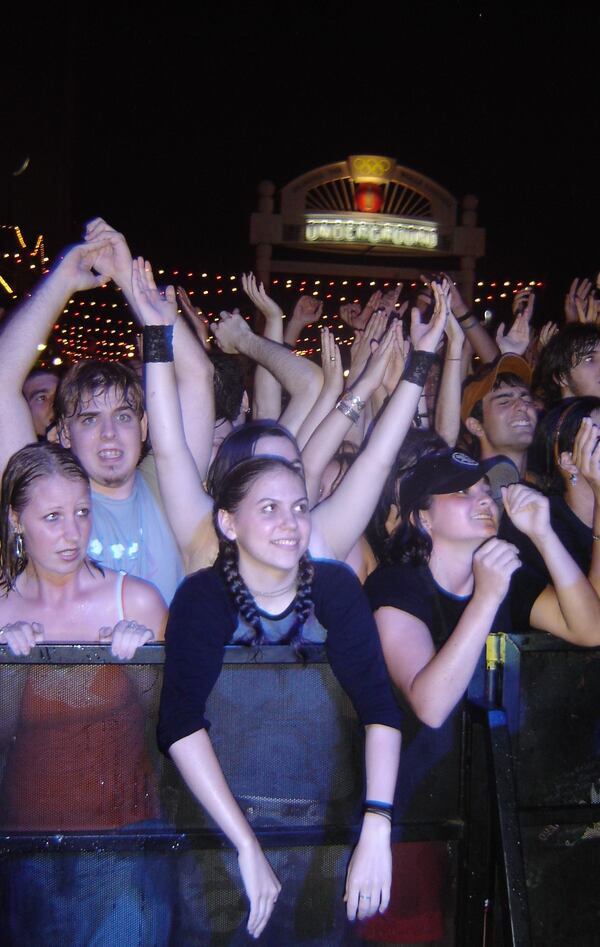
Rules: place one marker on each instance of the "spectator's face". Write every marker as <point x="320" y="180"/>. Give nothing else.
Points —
<point x="584" y="379"/>
<point x="465" y="516"/>
<point x="509" y="418"/>
<point x="56" y="524"/>
<point x="106" y="436"/>
<point x="271" y="526"/>
<point x="39" y="393"/>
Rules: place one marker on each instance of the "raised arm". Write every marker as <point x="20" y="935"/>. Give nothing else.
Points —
<point x="26" y="327"/>
<point x="570" y="607"/>
<point x="447" y="409"/>
<point x="333" y="382"/>
<point x="266" y="398"/>
<point x="433" y="682"/>
<point x="308" y="309"/>
<point x="188" y="506"/>
<point x="344" y="515"/>
<point x="300" y="377"/>
<point x="478" y="336"/>
<point x="192" y="368"/>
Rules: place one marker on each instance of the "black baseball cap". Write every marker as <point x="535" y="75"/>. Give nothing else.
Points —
<point x="442" y="472"/>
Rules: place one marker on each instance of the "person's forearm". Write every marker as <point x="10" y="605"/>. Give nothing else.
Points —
<point x="293" y="328"/>
<point x="382" y="760"/>
<point x="577" y="595"/>
<point x="27" y="326"/>
<point x="438" y="687"/>
<point x="194" y="372"/>
<point x="186" y="502"/>
<point x="447" y="409"/>
<point x="266" y="396"/>
<point x="482" y="342"/>
<point x="195" y="759"/>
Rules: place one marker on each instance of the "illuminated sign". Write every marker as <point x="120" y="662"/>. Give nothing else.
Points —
<point x="400" y="232"/>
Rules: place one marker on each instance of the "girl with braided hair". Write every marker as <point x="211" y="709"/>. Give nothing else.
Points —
<point x="263" y="589"/>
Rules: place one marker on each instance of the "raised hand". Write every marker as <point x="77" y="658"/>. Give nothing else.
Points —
<point x="426" y="337"/>
<point x="548" y="330"/>
<point x="21" y="636"/>
<point x="528" y="510"/>
<point x="331" y="362"/>
<point x="373" y="304"/>
<point x="588" y="310"/>
<point x="524" y="301"/>
<point x="518" y="338"/>
<point x="586" y="453"/>
<point x="153" y="308"/>
<point x="389" y="299"/>
<point x="493" y="565"/>
<point x="197" y="321"/>
<point x="261" y="885"/>
<point x="308" y="309"/>
<point x="349" y="314"/>
<point x="114" y="261"/>
<point x="78" y="267"/>
<point x="363" y="345"/>
<point x="230" y="329"/>
<point x="579" y="291"/>
<point x="125" y="638"/>
<point x="400" y="348"/>
<point x="258" y="296"/>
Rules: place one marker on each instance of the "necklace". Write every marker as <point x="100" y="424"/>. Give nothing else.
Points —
<point x="285" y="588"/>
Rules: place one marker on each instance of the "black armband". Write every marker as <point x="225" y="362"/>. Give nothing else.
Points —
<point x="157" y="343"/>
<point x="418" y="366"/>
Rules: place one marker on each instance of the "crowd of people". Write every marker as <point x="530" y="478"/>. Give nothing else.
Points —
<point x="233" y="492"/>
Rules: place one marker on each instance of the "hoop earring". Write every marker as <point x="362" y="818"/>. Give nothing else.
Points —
<point x="19" y="549"/>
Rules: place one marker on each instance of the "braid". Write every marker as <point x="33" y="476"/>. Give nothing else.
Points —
<point x="239" y="592"/>
<point x="304" y="602"/>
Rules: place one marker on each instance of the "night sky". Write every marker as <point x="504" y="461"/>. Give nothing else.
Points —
<point x="165" y="124"/>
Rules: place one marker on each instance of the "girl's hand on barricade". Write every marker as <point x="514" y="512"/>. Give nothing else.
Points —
<point x="126" y="637"/>
<point x="22" y="636"/>
<point x="261" y="884"/>
<point x="369" y="875"/>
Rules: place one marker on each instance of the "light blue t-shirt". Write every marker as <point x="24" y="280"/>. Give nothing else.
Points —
<point x="133" y="535"/>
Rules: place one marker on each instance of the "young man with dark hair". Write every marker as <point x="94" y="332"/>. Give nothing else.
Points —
<point x="39" y="391"/>
<point x="498" y="411"/>
<point x="569" y="364"/>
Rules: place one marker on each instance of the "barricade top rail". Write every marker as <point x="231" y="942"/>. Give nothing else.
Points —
<point x="155" y="654"/>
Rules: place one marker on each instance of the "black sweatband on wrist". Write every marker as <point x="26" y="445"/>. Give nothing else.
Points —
<point x="465" y="316"/>
<point x="418" y="366"/>
<point x="157" y="343"/>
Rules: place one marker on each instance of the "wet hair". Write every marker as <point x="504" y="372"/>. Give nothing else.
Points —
<point x="233" y="489"/>
<point x="554" y="434"/>
<point x="29" y="465"/>
<point x="228" y="386"/>
<point x="239" y="445"/>
<point x="92" y="379"/>
<point x="560" y="356"/>
<point x="417" y="443"/>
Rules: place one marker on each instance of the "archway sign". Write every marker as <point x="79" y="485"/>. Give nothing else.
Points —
<point x="368" y="208"/>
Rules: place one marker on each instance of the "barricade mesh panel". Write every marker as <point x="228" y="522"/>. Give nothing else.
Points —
<point x="557" y="756"/>
<point x="195" y="898"/>
<point x="78" y="755"/>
